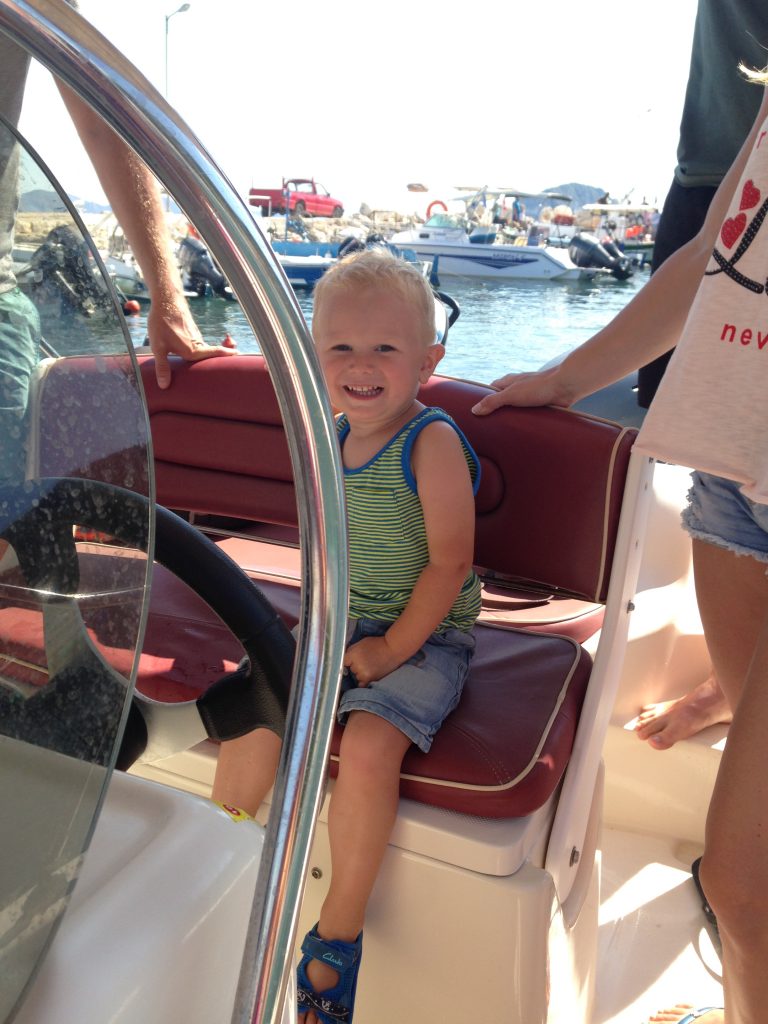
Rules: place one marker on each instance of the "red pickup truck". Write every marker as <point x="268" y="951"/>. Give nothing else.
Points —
<point x="300" y="195"/>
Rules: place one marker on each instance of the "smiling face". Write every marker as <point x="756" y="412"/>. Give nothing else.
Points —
<point x="374" y="354"/>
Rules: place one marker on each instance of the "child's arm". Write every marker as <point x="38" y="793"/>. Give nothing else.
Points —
<point x="445" y="492"/>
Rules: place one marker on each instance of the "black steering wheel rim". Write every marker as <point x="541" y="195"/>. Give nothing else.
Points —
<point x="36" y="518"/>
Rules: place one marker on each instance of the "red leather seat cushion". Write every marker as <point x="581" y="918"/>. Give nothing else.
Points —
<point x="500" y="754"/>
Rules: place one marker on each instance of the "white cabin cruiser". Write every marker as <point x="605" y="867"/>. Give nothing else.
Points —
<point x="539" y="871"/>
<point x="457" y="252"/>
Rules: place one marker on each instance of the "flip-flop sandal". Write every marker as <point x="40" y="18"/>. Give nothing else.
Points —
<point x="708" y="911"/>
<point x="333" y="1005"/>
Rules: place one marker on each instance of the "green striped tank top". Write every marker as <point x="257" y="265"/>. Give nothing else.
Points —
<point x="387" y="538"/>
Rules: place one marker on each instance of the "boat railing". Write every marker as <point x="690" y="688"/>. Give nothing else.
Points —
<point x="69" y="47"/>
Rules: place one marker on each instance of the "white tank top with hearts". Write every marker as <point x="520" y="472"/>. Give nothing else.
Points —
<point x="711" y="409"/>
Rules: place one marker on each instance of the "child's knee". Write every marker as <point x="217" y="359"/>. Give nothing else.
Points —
<point x="371" y="742"/>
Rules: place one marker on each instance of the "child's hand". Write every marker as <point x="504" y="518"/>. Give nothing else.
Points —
<point x="370" y="659"/>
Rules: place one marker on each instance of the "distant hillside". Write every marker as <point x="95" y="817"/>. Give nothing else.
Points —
<point x="88" y="206"/>
<point x="580" y="194"/>
<point x="40" y="200"/>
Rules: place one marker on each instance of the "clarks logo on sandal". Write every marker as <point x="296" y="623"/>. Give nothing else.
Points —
<point x="333" y="960"/>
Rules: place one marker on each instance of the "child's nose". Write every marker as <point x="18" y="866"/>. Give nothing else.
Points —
<point x="362" y="360"/>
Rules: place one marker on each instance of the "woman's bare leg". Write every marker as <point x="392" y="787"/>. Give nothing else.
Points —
<point x="733" y="600"/>
<point x="734" y="870"/>
<point x="732" y="594"/>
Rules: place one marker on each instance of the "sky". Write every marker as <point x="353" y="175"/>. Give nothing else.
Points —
<point x="529" y="95"/>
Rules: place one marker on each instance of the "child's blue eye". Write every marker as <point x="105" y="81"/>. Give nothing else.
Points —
<point x="385" y="348"/>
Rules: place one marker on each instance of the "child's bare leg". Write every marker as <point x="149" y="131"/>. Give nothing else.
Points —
<point x="668" y="721"/>
<point x="361" y="816"/>
<point x="246" y="768"/>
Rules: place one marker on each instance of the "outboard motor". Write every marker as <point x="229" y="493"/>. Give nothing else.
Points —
<point x="60" y="271"/>
<point x="198" y="269"/>
<point x="349" y="245"/>
<point x="586" y="251"/>
<point x="352" y="244"/>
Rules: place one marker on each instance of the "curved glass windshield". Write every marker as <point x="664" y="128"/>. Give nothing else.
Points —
<point x="444" y="220"/>
<point x="74" y="536"/>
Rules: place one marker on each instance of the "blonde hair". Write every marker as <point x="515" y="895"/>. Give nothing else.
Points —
<point x="758" y="77"/>
<point x="377" y="268"/>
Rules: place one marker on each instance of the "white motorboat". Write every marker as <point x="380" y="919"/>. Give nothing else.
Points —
<point x="539" y="870"/>
<point x="456" y="252"/>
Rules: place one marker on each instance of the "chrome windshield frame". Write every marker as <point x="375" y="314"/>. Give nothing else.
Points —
<point x="78" y="55"/>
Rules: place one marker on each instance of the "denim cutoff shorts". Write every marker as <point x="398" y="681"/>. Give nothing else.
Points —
<point x="418" y="696"/>
<point x="720" y="514"/>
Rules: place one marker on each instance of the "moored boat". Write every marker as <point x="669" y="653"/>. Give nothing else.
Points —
<point x="459" y="253"/>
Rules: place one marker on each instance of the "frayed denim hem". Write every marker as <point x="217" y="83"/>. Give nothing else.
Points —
<point x="719" y="542"/>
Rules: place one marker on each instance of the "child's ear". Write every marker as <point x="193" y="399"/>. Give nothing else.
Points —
<point x="432" y="357"/>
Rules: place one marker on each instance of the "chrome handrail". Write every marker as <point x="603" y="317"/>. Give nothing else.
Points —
<point x="78" y="55"/>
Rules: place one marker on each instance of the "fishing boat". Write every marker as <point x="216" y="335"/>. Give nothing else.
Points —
<point x="539" y="869"/>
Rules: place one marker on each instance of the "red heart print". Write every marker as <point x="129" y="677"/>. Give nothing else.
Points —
<point x="732" y="228"/>
<point x="750" y="196"/>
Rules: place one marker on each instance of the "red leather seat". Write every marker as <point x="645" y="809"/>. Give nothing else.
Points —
<point x="547" y="518"/>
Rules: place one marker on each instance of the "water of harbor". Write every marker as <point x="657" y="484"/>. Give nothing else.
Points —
<point x="501" y="328"/>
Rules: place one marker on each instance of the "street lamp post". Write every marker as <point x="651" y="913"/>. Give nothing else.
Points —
<point x="179" y="10"/>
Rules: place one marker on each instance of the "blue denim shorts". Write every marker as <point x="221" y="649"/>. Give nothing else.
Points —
<point x="418" y="696"/>
<point x="720" y="514"/>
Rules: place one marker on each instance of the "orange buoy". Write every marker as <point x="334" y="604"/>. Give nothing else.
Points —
<point x="435" y="204"/>
<point x="229" y="342"/>
<point x="131" y="307"/>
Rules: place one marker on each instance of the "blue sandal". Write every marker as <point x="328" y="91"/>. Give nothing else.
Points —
<point x="334" y="1005"/>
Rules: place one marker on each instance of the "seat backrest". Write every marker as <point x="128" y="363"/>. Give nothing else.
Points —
<point x="551" y="489"/>
<point x="548" y="504"/>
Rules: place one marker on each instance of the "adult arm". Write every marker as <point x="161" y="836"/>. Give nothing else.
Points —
<point x="134" y="196"/>
<point x="647" y="327"/>
<point x="445" y="493"/>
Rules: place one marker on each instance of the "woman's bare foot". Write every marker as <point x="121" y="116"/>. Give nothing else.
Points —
<point x="665" y="723"/>
<point x="677" y="1013"/>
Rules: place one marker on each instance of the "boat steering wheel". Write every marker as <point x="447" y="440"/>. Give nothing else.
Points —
<point x="37" y="519"/>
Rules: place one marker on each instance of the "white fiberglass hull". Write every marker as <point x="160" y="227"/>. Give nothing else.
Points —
<point x="500" y="262"/>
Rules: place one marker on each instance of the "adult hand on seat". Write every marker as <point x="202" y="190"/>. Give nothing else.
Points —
<point x="173" y="331"/>
<point x="527" y="389"/>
